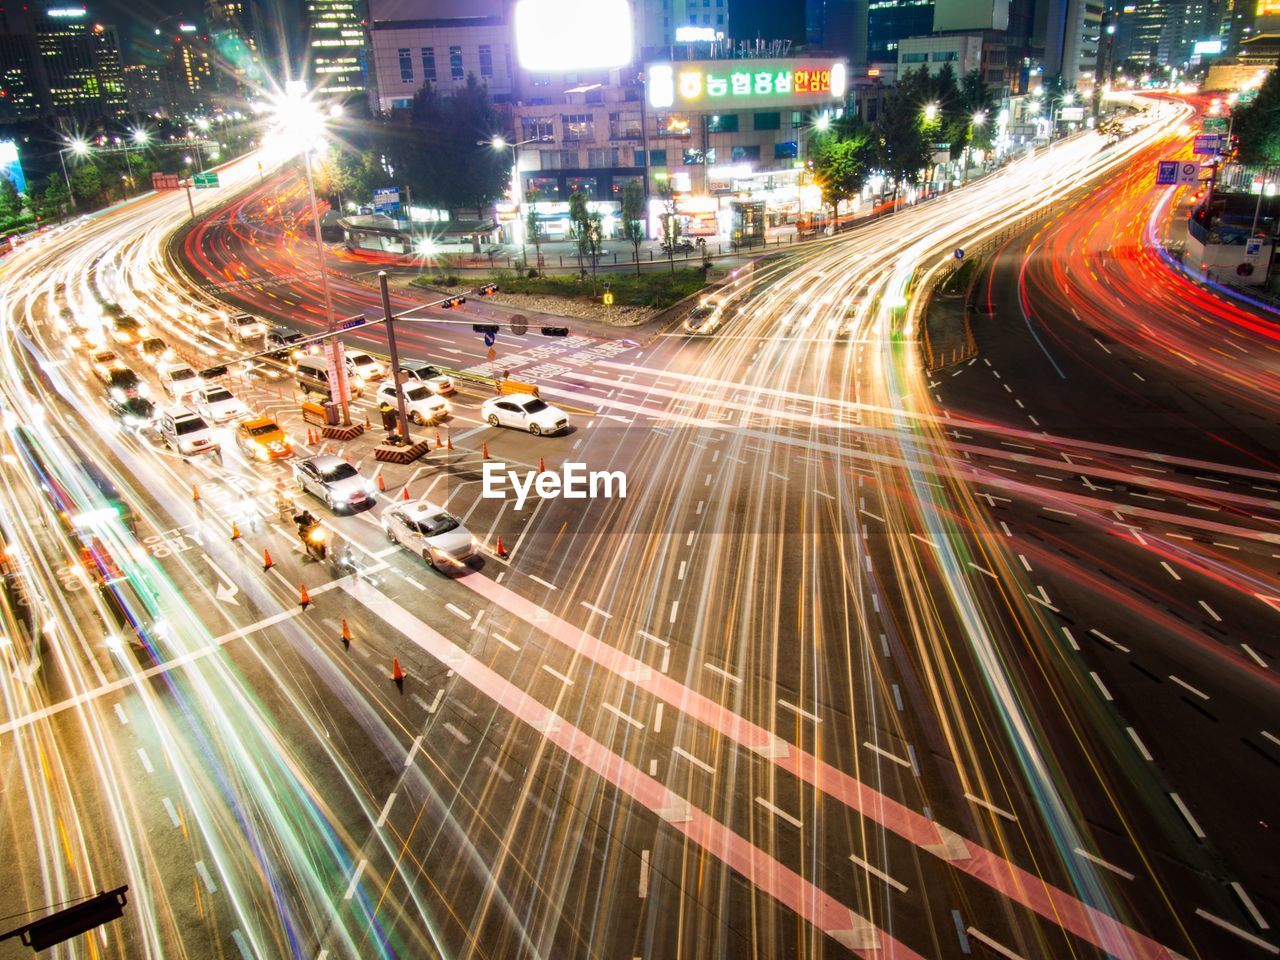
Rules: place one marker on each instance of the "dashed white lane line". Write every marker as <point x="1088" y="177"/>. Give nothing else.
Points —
<point x="1106" y="865"/>
<point x="386" y="809"/>
<point x="457" y="734"/>
<point x="505" y="642"/>
<point x="675" y="609"/>
<point x="1270" y="736"/>
<point x="591" y="607"/>
<point x="205" y="877"/>
<point x="502" y="774"/>
<point x="644" y="874"/>
<point x="1210" y="611"/>
<point x="567" y="681"/>
<point x="120" y="714"/>
<point x="721" y="673"/>
<point x="993" y="945"/>
<point x="1169" y="570"/>
<point x="1026" y="564"/>
<point x="799" y="711"/>
<point x="878" y="873"/>
<point x="458" y="612"/>
<point x="991" y="806"/>
<point x="408" y="757"/>
<point x="539" y="580"/>
<point x="1107" y="640"/>
<point x="171" y="811"/>
<point x="146" y="761"/>
<point x="1186" y="814"/>
<point x="1188" y="687"/>
<point x="623" y="716"/>
<point x="1254" y="654"/>
<point x="880" y="751"/>
<point x="1259" y="920"/>
<point x="355" y="880"/>
<point x="1070" y="639"/>
<point x="1137" y="742"/>
<point x="435" y="701"/>
<point x="1242" y="934"/>
<point x="779" y="812"/>
<point x="700" y="764"/>
<point x="1101" y="686"/>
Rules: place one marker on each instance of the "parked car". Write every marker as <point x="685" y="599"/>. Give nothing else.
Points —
<point x="429" y="374"/>
<point x="524" y="412"/>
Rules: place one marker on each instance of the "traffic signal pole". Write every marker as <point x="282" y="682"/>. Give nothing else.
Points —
<point x="395" y="354"/>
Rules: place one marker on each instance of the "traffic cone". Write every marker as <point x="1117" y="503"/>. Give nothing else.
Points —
<point x="397" y="675"/>
<point x="382" y="484"/>
<point x="267" y="562"/>
<point x="405" y="492"/>
<point x="195" y="494"/>
<point x="304" y="598"/>
<point x="367" y="424"/>
<point x="346" y="635"/>
<point x="484" y="450"/>
<point x="235" y="532"/>
<point x="500" y="550"/>
<point x="542" y="465"/>
<point x="448" y="441"/>
<point x="439" y="445"/>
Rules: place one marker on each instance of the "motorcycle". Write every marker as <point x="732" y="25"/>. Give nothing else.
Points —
<point x="680" y="246"/>
<point x="315" y="540"/>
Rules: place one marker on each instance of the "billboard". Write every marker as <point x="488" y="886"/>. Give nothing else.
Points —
<point x="11" y="165"/>
<point x="386" y="199"/>
<point x="553" y="36"/>
<point x="1207" y="47"/>
<point x="780" y="82"/>
<point x="1071" y="114"/>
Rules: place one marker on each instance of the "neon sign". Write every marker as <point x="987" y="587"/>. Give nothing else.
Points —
<point x="746" y="82"/>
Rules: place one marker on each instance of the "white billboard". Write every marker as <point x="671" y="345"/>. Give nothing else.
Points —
<point x="554" y="36"/>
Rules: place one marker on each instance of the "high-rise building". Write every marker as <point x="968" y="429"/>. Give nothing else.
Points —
<point x="143" y="88"/>
<point x="187" y="76"/>
<point x="839" y="26"/>
<point x="338" y="46"/>
<point x="1072" y="35"/>
<point x="234" y="40"/>
<point x="891" y="21"/>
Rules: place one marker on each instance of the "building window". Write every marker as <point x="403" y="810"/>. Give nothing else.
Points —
<point x="624" y="126"/>
<point x="657" y="158"/>
<point x="785" y="151"/>
<point x="768" y="121"/>
<point x="406" y="65"/>
<point x="693" y="157"/>
<point x="722" y="123"/>
<point x="569" y="159"/>
<point x="602" y="157"/>
<point x="578" y="126"/>
<point x="637" y="159"/>
<point x="429" y="63"/>
<point x="455" y="63"/>
<point x="719" y="18"/>
<point x="741" y="154"/>
<point x="548" y="187"/>
<point x="913" y="57"/>
<point x="537" y="128"/>
<point x="943" y="56"/>
<point x="620" y="183"/>
<point x="588" y="185"/>
<point x="486" y="60"/>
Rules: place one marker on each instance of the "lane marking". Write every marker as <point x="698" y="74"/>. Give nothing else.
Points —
<point x="723" y="673"/>
<point x="798" y="710"/>
<point x="1186" y="686"/>
<point x="1242" y="934"/>
<point x="1259" y="920"/>
<point x="624" y="716"/>
<point x="886" y="754"/>
<point x="1119" y="871"/>
<point x="386" y="809"/>
<point x="991" y="806"/>
<point x="999" y="948"/>
<point x="539" y="580"/>
<point x="458" y="612"/>
<point x="701" y="765"/>
<point x="355" y="880"/>
<point x="558" y="675"/>
<point x="779" y="812"/>
<point x="1191" y="821"/>
<point x="594" y="609"/>
<point x="1107" y="640"/>
<point x="878" y="873"/>
<point x="1137" y="742"/>
<point x="644" y="874"/>
<point x="413" y="748"/>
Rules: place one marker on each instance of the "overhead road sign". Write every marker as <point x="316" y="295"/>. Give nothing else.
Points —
<point x="1177" y="173"/>
<point x="205" y="181"/>
<point x="1207" y="144"/>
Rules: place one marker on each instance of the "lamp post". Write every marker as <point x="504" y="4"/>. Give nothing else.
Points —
<point x="300" y="124"/>
<point x="80" y="148"/>
<point x="978" y="119"/>
<point x="498" y="142"/>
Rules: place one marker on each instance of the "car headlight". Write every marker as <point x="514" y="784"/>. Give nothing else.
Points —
<point x="117" y="394"/>
<point x="144" y="389"/>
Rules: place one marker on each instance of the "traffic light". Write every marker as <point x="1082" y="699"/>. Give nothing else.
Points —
<point x="452" y="302"/>
<point x="555" y="331"/>
<point x="488" y="289"/>
<point x="484" y="327"/>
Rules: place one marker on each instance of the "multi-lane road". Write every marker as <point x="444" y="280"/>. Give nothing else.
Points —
<point x="856" y="668"/>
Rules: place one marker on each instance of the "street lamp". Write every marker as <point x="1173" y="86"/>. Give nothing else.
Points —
<point x="823" y="123"/>
<point x="299" y="124"/>
<point x="978" y="119"/>
<point x="930" y="112"/>
<point x="499" y="142"/>
<point x="80" y="148"/>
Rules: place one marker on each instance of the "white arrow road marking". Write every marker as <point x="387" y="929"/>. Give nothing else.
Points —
<point x="227" y="590"/>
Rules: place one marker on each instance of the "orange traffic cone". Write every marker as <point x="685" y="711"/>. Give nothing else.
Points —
<point x="448" y="441"/>
<point x="235" y="532"/>
<point x="405" y="492"/>
<point x="484" y="450"/>
<point x="542" y="465"/>
<point x="267" y="562"/>
<point x="397" y="675"/>
<point x="346" y="635"/>
<point x="304" y="598"/>
<point x="382" y="484"/>
<point x="500" y="550"/>
<point x="367" y="424"/>
<point x="195" y="494"/>
<point x="439" y="445"/>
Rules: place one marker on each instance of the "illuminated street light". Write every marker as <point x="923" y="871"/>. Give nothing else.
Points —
<point x="979" y="118"/>
<point x="499" y="142"/>
<point x="141" y="136"/>
<point x="823" y="123"/>
<point x="79" y="147"/>
<point x="930" y="112"/>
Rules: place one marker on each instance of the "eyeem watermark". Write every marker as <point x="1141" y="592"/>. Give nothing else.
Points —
<point x="573" y="482"/>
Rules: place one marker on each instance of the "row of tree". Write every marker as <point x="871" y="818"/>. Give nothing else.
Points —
<point x="922" y="115"/>
<point x="1257" y="124"/>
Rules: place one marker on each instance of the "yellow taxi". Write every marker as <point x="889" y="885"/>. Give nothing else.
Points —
<point x="260" y="438"/>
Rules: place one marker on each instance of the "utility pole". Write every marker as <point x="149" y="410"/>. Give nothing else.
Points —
<point x="395" y="354"/>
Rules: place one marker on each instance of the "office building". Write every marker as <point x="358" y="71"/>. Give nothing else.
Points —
<point x="1072" y="35"/>
<point x="889" y="22"/>
<point x="838" y="26"/>
<point x="143" y="87"/>
<point x="965" y="52"/>
<point x="337" y="44"/>
<point x="187" y="77"/>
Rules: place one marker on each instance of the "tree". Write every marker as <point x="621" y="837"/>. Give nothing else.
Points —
<point x="595" y="243"/>
<point x="901" y="141"/>
<point x="52" y="201"/>
<point x="580" y="227"/>
<point x="10" y="200"/>
<point x="977" y="100"/>
<point x="839" y="156"/>
<point x="86" y="184"/>
<point x="532" y="225"/>
<point x="633" y="217"/>
<point x="1257" y="124"/>
<point x="670" y="222"/>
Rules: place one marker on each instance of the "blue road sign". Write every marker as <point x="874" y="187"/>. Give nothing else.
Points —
<point x="1207" y="143"/>
<point x="353" y="322"/>
<point x="489" y="339"/>
<point x="1166" y="173"/>
<point x="959" y="254"/>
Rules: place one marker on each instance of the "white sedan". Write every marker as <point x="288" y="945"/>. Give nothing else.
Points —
<point x="524" y="412"/>
<point x="420" y="404"/>
<point x="219" y="405"/>
<point x="431" y="532"/>
<point x="180" y="381"/>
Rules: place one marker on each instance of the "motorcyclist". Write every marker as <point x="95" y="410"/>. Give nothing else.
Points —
<point x="307" y="524"/>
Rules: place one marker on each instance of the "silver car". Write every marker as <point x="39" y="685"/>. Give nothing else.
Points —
<point x="334" y="481"/>
<point x="431" y="532"/>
